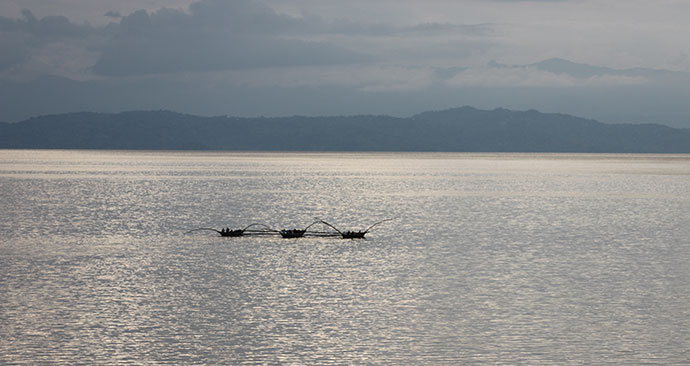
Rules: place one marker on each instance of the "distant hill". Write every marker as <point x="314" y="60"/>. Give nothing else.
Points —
<point x="584" y="71"/>
<point x="463" y="129"/>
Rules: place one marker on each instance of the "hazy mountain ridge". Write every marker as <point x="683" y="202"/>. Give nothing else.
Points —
<point x="583" y="71"/>
<point x="636" y="95"/>
<point x="459" y="129"/>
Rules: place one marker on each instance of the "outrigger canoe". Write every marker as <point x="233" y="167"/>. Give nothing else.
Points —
<point x="292" y="233"/>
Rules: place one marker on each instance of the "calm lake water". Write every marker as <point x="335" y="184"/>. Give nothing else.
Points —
<point x="490" y="259"/>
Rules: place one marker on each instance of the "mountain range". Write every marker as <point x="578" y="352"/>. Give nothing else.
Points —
<point x="464" y="129"/>
<point x="630" y="95"/>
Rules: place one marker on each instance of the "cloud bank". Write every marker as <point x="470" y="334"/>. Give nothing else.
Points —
<point x="277" y="57"/>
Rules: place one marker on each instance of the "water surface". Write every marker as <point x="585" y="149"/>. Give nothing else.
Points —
<point x="491" y="259"/>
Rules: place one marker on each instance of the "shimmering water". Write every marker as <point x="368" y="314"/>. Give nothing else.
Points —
<point x="491" y="259"/>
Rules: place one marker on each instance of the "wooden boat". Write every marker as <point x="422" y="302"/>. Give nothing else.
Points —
<point x="295" y="233"/>
<point x="351" y="234"/>
<point x="233" y="233"/>
<point x="227" y="232"/>
<point x="292" y="233"/>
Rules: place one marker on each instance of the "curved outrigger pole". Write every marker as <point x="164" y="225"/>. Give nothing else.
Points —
<point x="334" y="228"/>
<point x="372" y="226"/>
<point x="222" y="232"/>
<point x="265" y="229"/>
<point x="203" y="228"/>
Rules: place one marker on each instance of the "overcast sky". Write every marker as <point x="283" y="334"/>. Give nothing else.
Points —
<point x="272" y="57"/>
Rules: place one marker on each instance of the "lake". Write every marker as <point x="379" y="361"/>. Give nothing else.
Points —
<point x="535" y="259"/>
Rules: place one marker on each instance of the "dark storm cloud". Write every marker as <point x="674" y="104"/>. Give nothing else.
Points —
<point x="50" y="26"/>
<point x="19" y="37"/>
<point x="214" y="35"/>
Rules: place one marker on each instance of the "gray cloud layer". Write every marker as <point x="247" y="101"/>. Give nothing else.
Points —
<point x="278" y="57"/>
<point x="18" y="37"/>
<point x="214" y="35"/>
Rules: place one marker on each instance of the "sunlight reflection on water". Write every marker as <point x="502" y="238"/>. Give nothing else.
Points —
<point x="491" y="258"/>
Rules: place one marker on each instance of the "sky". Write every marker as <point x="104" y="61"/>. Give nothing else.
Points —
<point x="616" y="61"/>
